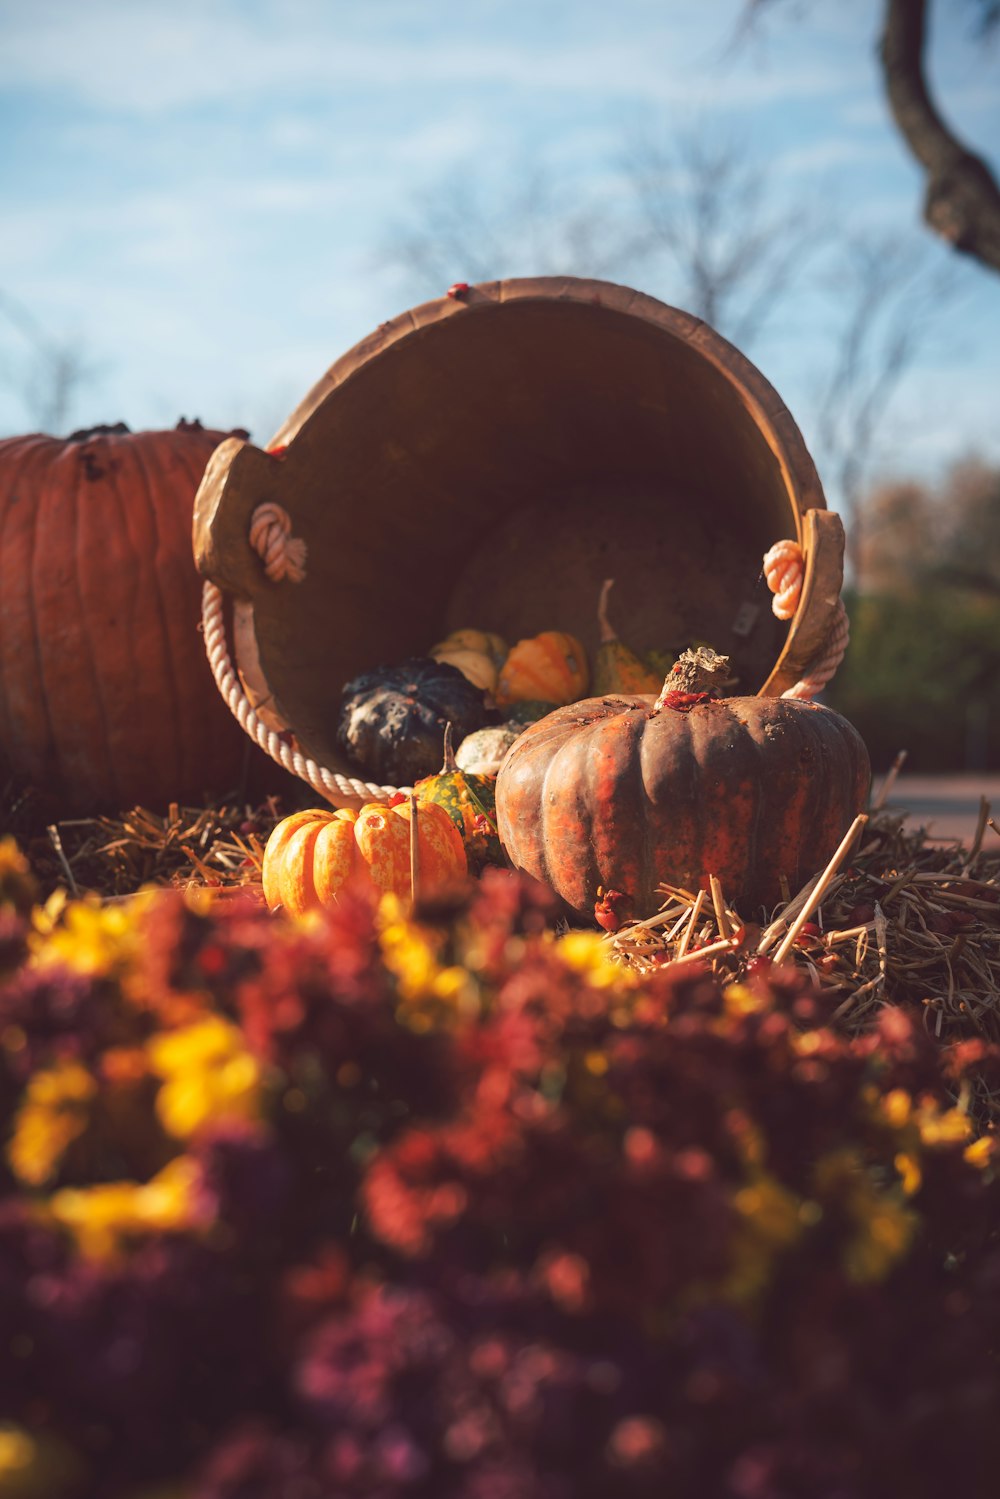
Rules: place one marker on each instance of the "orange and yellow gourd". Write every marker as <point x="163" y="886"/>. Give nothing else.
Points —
<point x="312" y="855"/>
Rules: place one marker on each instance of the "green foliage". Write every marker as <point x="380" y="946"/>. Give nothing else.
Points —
<point x="922" y="673"/>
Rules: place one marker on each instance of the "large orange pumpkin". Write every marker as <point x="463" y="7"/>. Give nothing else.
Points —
<point x="617" y="794"/>
<point x="106" y="697"/>
<point x="311" y="855"/>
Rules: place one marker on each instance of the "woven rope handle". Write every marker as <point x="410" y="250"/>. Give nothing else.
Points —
<point x="784" y="569"/>
<point x="284" y="558"/>
<point x="329" y="783"/>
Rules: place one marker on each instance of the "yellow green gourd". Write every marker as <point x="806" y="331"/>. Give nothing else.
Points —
<point x="469" y="799"/>
<point x="617" y="668"/>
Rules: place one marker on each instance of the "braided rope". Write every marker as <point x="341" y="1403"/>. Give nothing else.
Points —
<point x="284" y="558"/>
<point x="283" y="555"/>
<point x="330" y="784"/>
<point x="784" y="569"/>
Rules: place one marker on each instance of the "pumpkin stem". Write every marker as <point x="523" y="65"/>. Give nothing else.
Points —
<point x="700" y="671"/>
<point x="105" y="429"/>
<point x="608" y="635"/>
<point x="449" y="753"/>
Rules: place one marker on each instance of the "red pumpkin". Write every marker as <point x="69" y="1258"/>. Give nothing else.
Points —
<point x="620" y="794"/>
<point x="106" y="696"/>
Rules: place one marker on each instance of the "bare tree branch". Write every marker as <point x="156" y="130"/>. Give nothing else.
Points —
<point x="708" y="207"/>
<point x="962" y="200"/>
<point x="890" y="301"/>
<point x="452" y="232"/>
<point x="962" y="197"/>
<point x="56" y="369"/>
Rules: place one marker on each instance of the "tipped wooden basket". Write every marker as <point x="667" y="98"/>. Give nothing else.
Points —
<point x="487" y="460"/>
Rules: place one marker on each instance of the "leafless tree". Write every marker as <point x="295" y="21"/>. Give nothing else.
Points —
<point x="711" y="223"/>
<point x="696" y="213"/>
<point x="890" y="299"/>
<point x="961" y="197"/>
<point x="49" y="374"/>
<point x="454" y="232"/>
<point x="715" y="233"/>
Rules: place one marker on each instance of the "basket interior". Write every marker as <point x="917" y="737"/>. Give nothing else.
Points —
<point x="491" y="469"/>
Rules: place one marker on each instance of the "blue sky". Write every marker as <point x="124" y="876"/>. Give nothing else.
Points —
<point x="201" y="197"/>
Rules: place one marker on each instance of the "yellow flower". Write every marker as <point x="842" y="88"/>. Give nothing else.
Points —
<point x="55" y="1112"/>
<point x="884" y="1235"/>
<point x="17" y="1448"/>
<point x="883" y="1223"/>
<point x="910" y="1173"/>
<point x="739" y="1000"/>
<point x="588" y="954"/>
<point x="17" y="883"/>
<point x="430" y="992"/>
<point x="100" y="1217"/>
<point x="206" y="1043"/>
<point x="772" y="1220"/>
<point x="208" y="1076"/>
<point x="942" y="1126"/>
<point x="980" y="1153"/>
<point x="35" y="1466"/>
<point x="90" y="936"/>
<point x="896" y="1108"/>
<point x="407" y="954"/>
<point x="772" y="1210"/>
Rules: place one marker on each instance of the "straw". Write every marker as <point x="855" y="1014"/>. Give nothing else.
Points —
<point x="821" y="886"/>
<point x="415" y="844"/>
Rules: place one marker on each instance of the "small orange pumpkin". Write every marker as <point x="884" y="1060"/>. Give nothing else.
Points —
<point x="550" y="667"/>
<point x="311" y="855"/>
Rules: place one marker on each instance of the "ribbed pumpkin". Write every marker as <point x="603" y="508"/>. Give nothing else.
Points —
<point x="106" y="697"/>
<point x="311" y="855"/>
<point x="551" y="667"/>
<point x="618" y="794"/>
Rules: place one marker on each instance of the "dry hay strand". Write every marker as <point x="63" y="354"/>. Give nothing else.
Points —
<point x="903" y="920"/>
<point x="218" y="847"/>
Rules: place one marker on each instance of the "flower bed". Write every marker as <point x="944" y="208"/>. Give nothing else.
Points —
<point x="452" y="1205"/>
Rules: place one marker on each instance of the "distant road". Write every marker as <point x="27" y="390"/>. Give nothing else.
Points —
<point x="947" y="806"/>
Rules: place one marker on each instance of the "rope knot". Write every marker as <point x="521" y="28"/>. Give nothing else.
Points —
<point x="784" y="569"/>
<point x="283" y="555"/>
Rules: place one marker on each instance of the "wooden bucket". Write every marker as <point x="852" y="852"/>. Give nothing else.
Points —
<point x="486" y="460"/>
